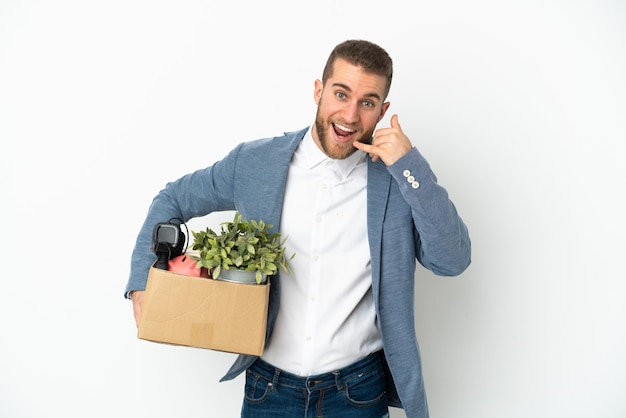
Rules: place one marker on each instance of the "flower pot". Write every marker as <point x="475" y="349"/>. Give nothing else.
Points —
<point x="240" y="276"/>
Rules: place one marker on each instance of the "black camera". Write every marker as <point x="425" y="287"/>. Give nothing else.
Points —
<point x="168" y="241"/>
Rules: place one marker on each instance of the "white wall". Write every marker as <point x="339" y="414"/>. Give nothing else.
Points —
<point x="519" y="106"/>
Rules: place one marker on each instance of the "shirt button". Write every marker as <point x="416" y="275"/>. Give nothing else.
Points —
<point x="415" y="185"/>
<point x="406" y="173"/>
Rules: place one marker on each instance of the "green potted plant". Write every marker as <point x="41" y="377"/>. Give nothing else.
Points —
<point x="241" y="246"/>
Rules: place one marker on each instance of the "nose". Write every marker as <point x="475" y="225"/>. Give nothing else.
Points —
<point x="351" y="112"/>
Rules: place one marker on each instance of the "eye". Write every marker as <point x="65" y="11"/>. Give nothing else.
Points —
<point x="340" y="95"/>
<point x="367" y="103"/>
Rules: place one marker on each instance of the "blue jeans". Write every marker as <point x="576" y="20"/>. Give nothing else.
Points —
<point x="356" y="391"/>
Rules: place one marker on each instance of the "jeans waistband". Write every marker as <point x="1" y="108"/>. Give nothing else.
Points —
<point x="321" y="381"/>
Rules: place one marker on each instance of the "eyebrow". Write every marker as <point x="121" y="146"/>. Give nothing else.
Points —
<point x="345" y="87"/>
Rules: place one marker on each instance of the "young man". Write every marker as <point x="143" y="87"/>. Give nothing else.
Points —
<point x="360" y="207"/>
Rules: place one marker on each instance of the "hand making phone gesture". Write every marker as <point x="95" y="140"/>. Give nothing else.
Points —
<point x="388" y="144"/>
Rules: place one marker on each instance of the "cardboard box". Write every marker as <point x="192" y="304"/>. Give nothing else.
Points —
<point x="204" y="313"/>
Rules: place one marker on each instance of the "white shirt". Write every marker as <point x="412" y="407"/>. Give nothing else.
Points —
<point x="326" y="318"/>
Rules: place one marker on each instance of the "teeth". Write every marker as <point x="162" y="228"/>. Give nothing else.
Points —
<point x="344" y="128"/>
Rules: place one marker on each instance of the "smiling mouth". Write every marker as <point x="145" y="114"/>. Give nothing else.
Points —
<point x="342" y="132"/>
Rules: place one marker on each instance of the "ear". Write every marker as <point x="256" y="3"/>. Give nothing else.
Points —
<point x="317" y="91"/>
<point x="383" y="110"/>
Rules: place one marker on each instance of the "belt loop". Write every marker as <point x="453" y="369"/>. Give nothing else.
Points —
<point x="340" y="385"/>
<point x="275" y="379"/>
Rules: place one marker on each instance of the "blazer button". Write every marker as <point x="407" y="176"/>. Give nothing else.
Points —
<point x="415" y="185"/>
<point x="406" y="173"/>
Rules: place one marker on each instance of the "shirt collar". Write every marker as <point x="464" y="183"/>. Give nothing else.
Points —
<point x="313" y="157"/>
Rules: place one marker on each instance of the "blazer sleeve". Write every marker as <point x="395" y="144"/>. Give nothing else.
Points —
<point x="442" y="239"/>
<point x="193" y="195"/>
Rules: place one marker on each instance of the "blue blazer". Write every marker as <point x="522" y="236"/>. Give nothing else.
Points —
<point x="410" y="219"/>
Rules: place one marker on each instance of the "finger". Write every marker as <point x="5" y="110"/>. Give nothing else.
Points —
<point x="381" y="134"/>
<point x="137" y="313"/>
<point x="137" y="298"/>
<point x="394" y="122"/>
<point x="362" y="146"/>
<point x="370" y="149"/>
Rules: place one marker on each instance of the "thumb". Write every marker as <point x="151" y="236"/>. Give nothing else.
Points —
<point x="394" y="122"/>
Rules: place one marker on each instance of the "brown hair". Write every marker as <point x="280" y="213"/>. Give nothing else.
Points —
<point x="367" y="55"/>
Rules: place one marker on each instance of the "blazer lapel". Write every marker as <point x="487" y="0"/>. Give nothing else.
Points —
<point x="267" y="194"/>
<point x="378" y="186"/>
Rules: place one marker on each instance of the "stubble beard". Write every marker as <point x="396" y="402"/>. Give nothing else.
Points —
<point x="339" y="151"/>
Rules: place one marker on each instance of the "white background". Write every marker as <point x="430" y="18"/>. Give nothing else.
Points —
<point x="519" y="106"/>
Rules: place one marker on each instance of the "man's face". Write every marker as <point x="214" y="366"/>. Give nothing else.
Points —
<point x="349" y="105"/>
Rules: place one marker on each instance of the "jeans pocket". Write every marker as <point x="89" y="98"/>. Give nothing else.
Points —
<point x="366" y="389"/>
<point x="257" y="388"/>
